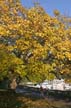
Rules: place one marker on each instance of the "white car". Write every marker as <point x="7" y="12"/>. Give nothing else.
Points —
<point x="46" y="86"/>
<point x="37" y="86"/>
<point x="67" y="87"/>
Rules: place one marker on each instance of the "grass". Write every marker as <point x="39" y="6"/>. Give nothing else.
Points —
<point x="9" y="99"/>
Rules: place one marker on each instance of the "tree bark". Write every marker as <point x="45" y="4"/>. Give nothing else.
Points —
<point x="13" y="84"/>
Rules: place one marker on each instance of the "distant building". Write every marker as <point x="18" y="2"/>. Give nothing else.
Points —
<point x="56" y="84"/>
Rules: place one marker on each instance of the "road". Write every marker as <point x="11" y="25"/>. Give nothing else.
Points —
<point x="37" y="92"/>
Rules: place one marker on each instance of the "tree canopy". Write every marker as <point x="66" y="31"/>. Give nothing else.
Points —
<point x="32" y="43"/>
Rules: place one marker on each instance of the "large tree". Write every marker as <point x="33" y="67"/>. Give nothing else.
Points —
<point x="40" y="42"/>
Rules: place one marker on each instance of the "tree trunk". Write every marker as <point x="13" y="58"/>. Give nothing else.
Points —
<point x="13" y="84"/>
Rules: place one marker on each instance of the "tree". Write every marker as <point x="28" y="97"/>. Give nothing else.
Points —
<point x="65" y="19"/>
<point x="34" y="39"/>
<point x="11" y="67"/>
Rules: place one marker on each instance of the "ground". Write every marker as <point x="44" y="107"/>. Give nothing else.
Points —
<point x="10" y="99"/>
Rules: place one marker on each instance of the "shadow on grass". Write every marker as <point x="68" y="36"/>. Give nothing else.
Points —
<point x="10" y="99"/>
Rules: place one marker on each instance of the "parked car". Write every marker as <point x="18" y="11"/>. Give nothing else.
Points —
<point x="46" y="85"/>
<point x="67" y="87"/>
<point x="37" y="86"/>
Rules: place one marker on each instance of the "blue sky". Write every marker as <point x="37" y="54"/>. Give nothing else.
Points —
<point x="64" y="6"/>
